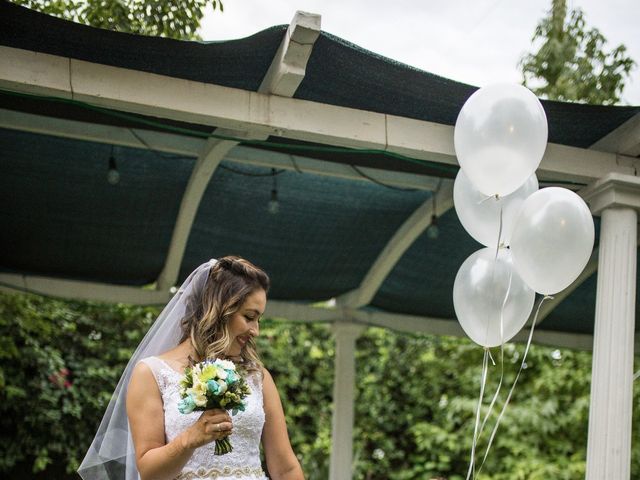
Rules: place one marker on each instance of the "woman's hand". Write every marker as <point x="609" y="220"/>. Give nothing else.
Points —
<point x="212" y="425"/>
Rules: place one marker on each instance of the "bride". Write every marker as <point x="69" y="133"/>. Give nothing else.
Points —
<point x="215" y="314"/>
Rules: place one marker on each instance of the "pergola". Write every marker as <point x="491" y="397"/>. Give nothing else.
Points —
<point x="319" y="161"/>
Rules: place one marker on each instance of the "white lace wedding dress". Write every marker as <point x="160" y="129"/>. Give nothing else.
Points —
<point x="241" y="463"/>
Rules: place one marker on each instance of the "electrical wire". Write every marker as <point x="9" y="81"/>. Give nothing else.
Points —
<point x="378" y="182"/>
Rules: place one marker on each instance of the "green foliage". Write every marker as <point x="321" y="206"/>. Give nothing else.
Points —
<point x="415" y="406"/>
<point x="59" y="364"/>
<point x="178" y="20"/>
<point x="572" y="64"/>
<point x="300" y="359"/>
<point x="416" y="401"/>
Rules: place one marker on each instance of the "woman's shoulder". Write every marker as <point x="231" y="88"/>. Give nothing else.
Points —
<point x="142" y="379"/>
<point x="268" y="385"/>
<point x="265" y="373"/>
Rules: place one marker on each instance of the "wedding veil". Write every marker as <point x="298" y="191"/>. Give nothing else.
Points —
<point x="111" y="454"/>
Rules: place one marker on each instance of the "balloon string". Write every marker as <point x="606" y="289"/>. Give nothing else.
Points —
<point x="477" y="432"/>
<point x="493" y="362"/>
<point x="498" y="243"/>
<point x="497" y="199"/>
<point x="515" y="381"/>
<point x="496" y="196"/>
<point x="485" y="366"/>
<point x="495" y="396"/>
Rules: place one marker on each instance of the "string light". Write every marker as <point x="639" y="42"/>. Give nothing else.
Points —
<point x="113" y="176"/>
<point x="433" y="231"/>
<point x="274" y="204"/>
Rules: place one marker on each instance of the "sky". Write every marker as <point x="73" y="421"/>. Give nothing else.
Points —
<point x="478" y="42"/>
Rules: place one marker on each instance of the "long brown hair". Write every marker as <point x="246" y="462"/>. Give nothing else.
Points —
<point x="206" y="323"/>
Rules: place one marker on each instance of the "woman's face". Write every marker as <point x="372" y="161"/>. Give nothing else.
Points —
<point x="244" y="324"/>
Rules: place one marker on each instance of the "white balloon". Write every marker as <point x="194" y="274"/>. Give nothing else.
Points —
<point x="552" y="239"/>
<point x="479" y="293"/>
<point x="480" y="215"/>
<point x="500" y="137"/>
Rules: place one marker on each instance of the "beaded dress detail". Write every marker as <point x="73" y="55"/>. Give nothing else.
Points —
<point x="241" y="463"/>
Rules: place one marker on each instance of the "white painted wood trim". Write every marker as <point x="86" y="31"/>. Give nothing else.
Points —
<point x="404" y="237"/>
<point x="102" y="292"/>
<point x="82" y="290"/>
<point x="265" y="158"/>
<point x="107" y="134"/>
<point x="292" y="311"/>
<point x="284" y="76"/>
<point x="217" y="106"/>
<point x="624" y="140"/>
<point x="611" y="191"/>
<point x="287" y="69"/>
<point x="191" y="147"/>
<point x="611" y="407"/>
<point x="451" y="327"/>
<point x="344" y="386"/>
<point x="550" y="338"/>
<point x="407" y="323"/>
<point x="213" y="153"/>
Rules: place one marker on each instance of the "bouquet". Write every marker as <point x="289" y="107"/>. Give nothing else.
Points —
<point x="213" y="384"/>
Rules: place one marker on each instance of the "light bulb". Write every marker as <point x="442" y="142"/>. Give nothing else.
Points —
<point x="432" y="230"/>
<point x="274" y="205"/>
<point x="113" y="176"/>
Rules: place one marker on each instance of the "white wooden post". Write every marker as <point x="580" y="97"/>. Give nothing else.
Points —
<point x="617" y="199"/>
<point x="346" y="335"/>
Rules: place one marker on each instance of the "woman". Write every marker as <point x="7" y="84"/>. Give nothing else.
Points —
<point x="215" y="314"/>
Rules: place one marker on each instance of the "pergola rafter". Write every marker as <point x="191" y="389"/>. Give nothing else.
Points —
<point x="283" y="78"/>
<point x="171" y="143"/>
<point x="624" y="140"/>
<point x="208" y="160"/>
<point x="229" y="108"/>
<point x="404" y="237"/>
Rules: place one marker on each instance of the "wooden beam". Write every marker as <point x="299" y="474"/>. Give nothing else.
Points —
<point x="189" y="146"/>
<point x="440" y="326"/>
<point x="82" y="290"/>
<point x="624" y="140"/>
<point x="283" y="77"/>
<point x="214" y="105"/>
<point x="108" y="134"/>
<point x="280" y="161"/>
<point x="293" y="311"/>
<point x="102" y="292"/>
<point x="403" y="238"/>
<point x="211" y="156"/>
<point x="289" y="64"/>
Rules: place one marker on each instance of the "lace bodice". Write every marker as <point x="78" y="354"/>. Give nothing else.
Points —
<point x="244" y="461"/>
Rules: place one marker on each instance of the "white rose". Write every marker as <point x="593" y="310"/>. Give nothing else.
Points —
<point x="229" y="365"/>
<point x="200" y="400"/>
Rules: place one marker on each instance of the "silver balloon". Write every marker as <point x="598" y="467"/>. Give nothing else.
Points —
<point x="480" y="215"/>
<point x="552" y="239"/>
<point x="500" y="137"/>
<point x="487" y="289"/>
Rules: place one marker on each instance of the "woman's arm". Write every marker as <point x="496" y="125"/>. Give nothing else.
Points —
<point x="282" y="463"/>
<point x="156" y="459"/>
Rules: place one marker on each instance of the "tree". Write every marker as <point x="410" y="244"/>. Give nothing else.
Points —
<point x="572" y="64"/>
<point x="179" y="20"/>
